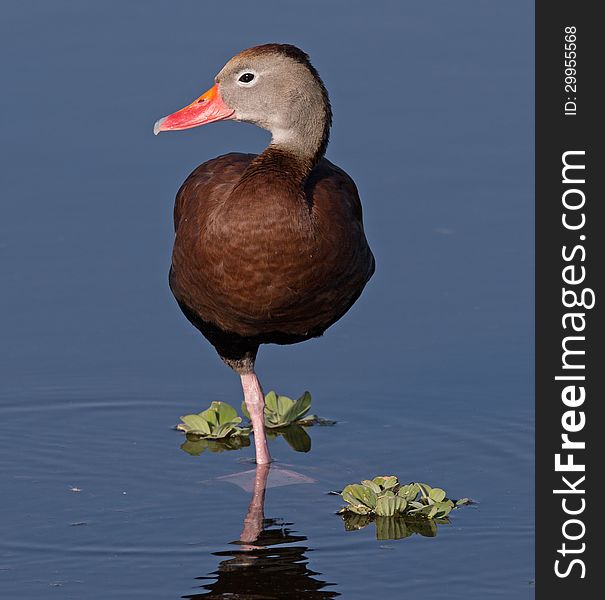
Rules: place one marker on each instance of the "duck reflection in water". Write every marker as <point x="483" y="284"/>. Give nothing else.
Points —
<point x="261" y="567"/>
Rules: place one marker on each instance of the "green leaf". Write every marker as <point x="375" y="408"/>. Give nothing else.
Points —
<point x="439" y="510"/>
<point x="241" y="431"/>
<point x="409" y="492"/>
<point x="225" y="412"/>
<point x="400" y="504"/>
<point x="275" y="407"/>
<point x="443" y="509"/>
<point x="436" y="510"/>
<point x="271" y="402"/>
<point x="299" y="408"/>
<point x="359" y="509"/>
<point x="272" y="420"/>
<point x="373" y="486"/>
<point x="348" y="496"/>
<point x="359" y="494"/>
<point x="196" y="423"/>
<point x="385" y="506"/>
<point x="284" y="404"/>
<point x="389" y="482"/>
<point x="425" y="489"/>
<point x="210" y="415"/>
<point x="222" y="431"/>
<point x="437" y="494"/>
<point x="298" y="439"/>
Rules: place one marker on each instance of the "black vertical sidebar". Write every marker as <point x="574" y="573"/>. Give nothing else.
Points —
<point x="570" y="333"/>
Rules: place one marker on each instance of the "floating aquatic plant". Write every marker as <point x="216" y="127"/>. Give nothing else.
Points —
<point x="386" y="497"/>
<point x="399" y="510"/>
<point x="219" y="421"/>
<point x="281" y="411"/>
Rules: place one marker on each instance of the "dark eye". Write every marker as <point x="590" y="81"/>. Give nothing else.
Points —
<point x="246" y="77"/>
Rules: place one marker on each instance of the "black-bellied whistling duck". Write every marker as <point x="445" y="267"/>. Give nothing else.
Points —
<point x="268" y="248"/>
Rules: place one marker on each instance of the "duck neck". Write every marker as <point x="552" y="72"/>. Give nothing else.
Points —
<point x="305" y="132"/>
<point x="306" y="142"/>
<point x="295" y="149"/>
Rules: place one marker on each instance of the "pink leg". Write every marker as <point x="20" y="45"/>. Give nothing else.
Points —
<point x="255" y="403"/>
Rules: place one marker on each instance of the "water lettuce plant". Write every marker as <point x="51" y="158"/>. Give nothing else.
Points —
<point x="281" y="411"/>
<point x="386" y="497"/>
<point x="398" y="510"/>
<point x="217" y="422"/>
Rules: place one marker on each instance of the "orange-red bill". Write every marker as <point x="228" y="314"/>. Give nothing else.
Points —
<point x="209" y="107"/>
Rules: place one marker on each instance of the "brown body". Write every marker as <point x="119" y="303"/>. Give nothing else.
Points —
<point x="267" y="250"/>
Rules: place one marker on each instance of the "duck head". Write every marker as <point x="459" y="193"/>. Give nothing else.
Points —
<point x="273" y="86"/>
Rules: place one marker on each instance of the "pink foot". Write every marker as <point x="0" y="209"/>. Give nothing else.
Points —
<point x="255" y="403"/>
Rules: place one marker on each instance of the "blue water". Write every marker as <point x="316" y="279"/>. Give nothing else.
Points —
<point x="430" y="375"/>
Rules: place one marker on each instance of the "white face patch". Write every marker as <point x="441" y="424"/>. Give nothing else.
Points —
<point x="246" y="78"/>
